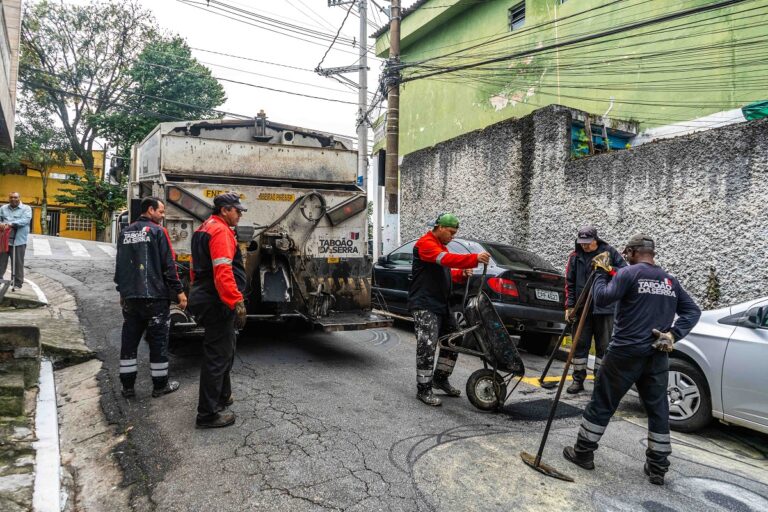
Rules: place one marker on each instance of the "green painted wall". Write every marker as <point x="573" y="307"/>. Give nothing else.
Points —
<point x="658" y="75"/>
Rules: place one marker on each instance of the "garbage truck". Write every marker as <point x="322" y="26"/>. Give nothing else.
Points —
<point x="304" y="236"/>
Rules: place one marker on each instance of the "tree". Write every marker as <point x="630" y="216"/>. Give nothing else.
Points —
<point x="98" y="197"/>
<point x="76" y="60"/>
<point x="167" y="83"/>
<point x="39" y="146"/>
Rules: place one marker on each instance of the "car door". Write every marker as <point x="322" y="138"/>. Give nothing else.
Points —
<point x="745" y="379"/>
<point x="392" y="277"/>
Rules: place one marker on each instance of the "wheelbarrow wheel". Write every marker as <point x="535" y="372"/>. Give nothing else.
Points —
<point x="486" y="389"/>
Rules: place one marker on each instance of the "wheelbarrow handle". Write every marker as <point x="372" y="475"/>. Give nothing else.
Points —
<point x="482" y="283"/>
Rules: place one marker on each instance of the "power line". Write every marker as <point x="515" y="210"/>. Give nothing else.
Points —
<point x="349" y="10"/>
<point x="252" y="59"/>
<point x="241" y="19"/>
<point x="577" y="40"/>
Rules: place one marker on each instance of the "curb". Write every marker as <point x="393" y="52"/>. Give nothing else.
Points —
<point x="47" y="490"/>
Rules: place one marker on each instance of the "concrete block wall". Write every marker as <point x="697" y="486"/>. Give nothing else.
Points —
<point x="701" y="196"/>
<point x="19" y="366"/>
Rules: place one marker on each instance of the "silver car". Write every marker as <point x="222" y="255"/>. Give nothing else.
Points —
<point x="720" y="370"/>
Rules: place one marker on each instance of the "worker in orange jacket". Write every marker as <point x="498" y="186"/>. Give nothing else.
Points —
<point x="434" y="269"/>
<point x="216" y="299"/>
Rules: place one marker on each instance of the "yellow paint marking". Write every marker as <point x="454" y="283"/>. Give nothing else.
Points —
<point x="534" y="381"/>
<point x="274" y="196"/>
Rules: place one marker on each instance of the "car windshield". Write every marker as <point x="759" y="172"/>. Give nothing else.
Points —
<point x="518" y="259"/>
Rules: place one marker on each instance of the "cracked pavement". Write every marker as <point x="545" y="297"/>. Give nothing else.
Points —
<point x="330" y="422"/>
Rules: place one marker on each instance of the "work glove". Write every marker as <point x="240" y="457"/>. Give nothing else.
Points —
<point x="665" y="341"/>
<point x="568" y="314"/>
<point x="240" y="314"/>
<point x="603" y="262"/>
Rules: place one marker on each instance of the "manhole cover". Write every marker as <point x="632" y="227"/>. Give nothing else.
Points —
<point x="538" y="410"/>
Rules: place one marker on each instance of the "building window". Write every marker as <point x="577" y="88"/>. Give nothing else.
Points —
<point x="517" y="16"/>
<point x="78" y="223"/>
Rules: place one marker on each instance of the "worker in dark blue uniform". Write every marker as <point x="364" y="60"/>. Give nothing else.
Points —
<point x="644" y="333"/>
<point x="598" y="323"/>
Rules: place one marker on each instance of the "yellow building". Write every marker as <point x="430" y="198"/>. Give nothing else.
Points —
<point x="30" y="187"/>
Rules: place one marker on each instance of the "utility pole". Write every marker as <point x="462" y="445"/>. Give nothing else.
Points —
<point x="362" y="86"/>
<point x="362" y="121"/>
<point x="392" y="83"/>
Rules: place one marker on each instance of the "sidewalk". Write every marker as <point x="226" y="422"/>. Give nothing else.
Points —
<point x="45" y="304"/>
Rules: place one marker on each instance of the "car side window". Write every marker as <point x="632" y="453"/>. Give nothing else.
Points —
<point x="457" y="248"/>
<point x="403" y="255"/>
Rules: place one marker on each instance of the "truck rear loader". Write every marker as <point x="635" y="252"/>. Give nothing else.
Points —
<point x="304" y="236"/>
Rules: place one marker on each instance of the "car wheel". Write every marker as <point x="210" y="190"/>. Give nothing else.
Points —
<point x="539" y="344"/>
<point x="690" y="407"/>
<point x="486" y="389"/>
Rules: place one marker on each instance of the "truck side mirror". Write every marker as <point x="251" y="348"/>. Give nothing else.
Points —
<point x="382" y="260"/>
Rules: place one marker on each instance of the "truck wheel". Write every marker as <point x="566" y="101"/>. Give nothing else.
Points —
<point x="539" y="344"/>
<point x="690" y="407"/>
<point x="486" y="389"/>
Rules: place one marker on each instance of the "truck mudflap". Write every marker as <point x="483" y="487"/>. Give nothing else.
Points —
<point x="351" y="321"/>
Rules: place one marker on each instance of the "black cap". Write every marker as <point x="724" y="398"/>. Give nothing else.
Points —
<point x="229" y="199"/>
<point x="641" y="240"/>
<point x="587" y="235"/>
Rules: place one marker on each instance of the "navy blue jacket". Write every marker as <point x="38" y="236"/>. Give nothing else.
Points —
<point x="649" y="298"/>
<point x="145" y="264"/>
<point x="577" y="271"/>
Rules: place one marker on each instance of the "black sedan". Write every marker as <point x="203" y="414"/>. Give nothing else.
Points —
<point x="528" y="292"/>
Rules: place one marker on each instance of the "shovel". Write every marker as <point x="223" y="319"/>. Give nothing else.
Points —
<point x="576" y="308"/>
<point x="535" y="462"/>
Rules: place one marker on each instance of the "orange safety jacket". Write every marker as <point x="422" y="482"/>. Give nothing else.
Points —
<point x="217" y="268"/>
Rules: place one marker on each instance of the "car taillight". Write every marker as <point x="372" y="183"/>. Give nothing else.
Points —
<point x="503" y="286"/>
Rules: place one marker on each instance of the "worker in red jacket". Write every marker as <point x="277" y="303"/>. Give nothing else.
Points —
<point x="216" y="299"/>
<point x="428" y="297"/>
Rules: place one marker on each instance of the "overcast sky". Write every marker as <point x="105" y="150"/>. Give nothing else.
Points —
<point x="204" y="30"/>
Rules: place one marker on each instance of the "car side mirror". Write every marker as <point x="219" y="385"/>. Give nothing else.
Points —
<point x="382" y="260"/>
<point x="753" y="319"/>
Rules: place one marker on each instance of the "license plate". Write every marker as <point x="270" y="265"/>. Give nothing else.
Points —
<point x="547" y="295"/>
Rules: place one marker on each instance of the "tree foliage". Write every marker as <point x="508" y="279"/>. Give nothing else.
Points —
<point x="95" y="198"/>
<point x="75" y="62"/>
<point x="167" y="84"/>
<point x="39" y="147"/>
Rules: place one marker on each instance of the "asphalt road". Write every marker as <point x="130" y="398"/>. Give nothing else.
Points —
<point x="330" y="422"/>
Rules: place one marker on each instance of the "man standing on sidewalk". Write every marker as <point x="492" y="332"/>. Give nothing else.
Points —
<point x="433" y="271"/>
<point x="146" y="277"/>
<point x="216" y="299"/>
<point x="599" y="322"/>
<point x="15" y="218"/>
<point x="646" y="330"/>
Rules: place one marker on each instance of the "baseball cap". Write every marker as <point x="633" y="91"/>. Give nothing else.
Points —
<point x="587" y="235"/>
<point x="229" y="199"/>
<point x="447" y="220"/>
<point x="640" y="240"/>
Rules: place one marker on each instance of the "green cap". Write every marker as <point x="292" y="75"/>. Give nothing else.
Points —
<point x="447" y="220"/>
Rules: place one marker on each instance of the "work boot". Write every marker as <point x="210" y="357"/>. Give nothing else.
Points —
<point x="218" y="420"/>
<point x="445" y="386"/>
<point x="654" y="478"/>
<point x="170" y="387"/>
<point x="583" y="461"/>
<point x="128" y="392"/>
<point x="428" y="398"/>
<point x="577" y="386"/>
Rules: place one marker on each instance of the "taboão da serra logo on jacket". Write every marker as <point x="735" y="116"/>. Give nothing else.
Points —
<point x="344" y="245"/>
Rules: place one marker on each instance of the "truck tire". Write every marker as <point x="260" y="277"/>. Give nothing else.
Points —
<point x="537" y="343"/>
<point x="690" y="406"/>
<point x="486" y="389"/>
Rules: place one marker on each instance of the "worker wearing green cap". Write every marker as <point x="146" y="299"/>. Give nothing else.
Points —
<point x="434" y="270"/>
